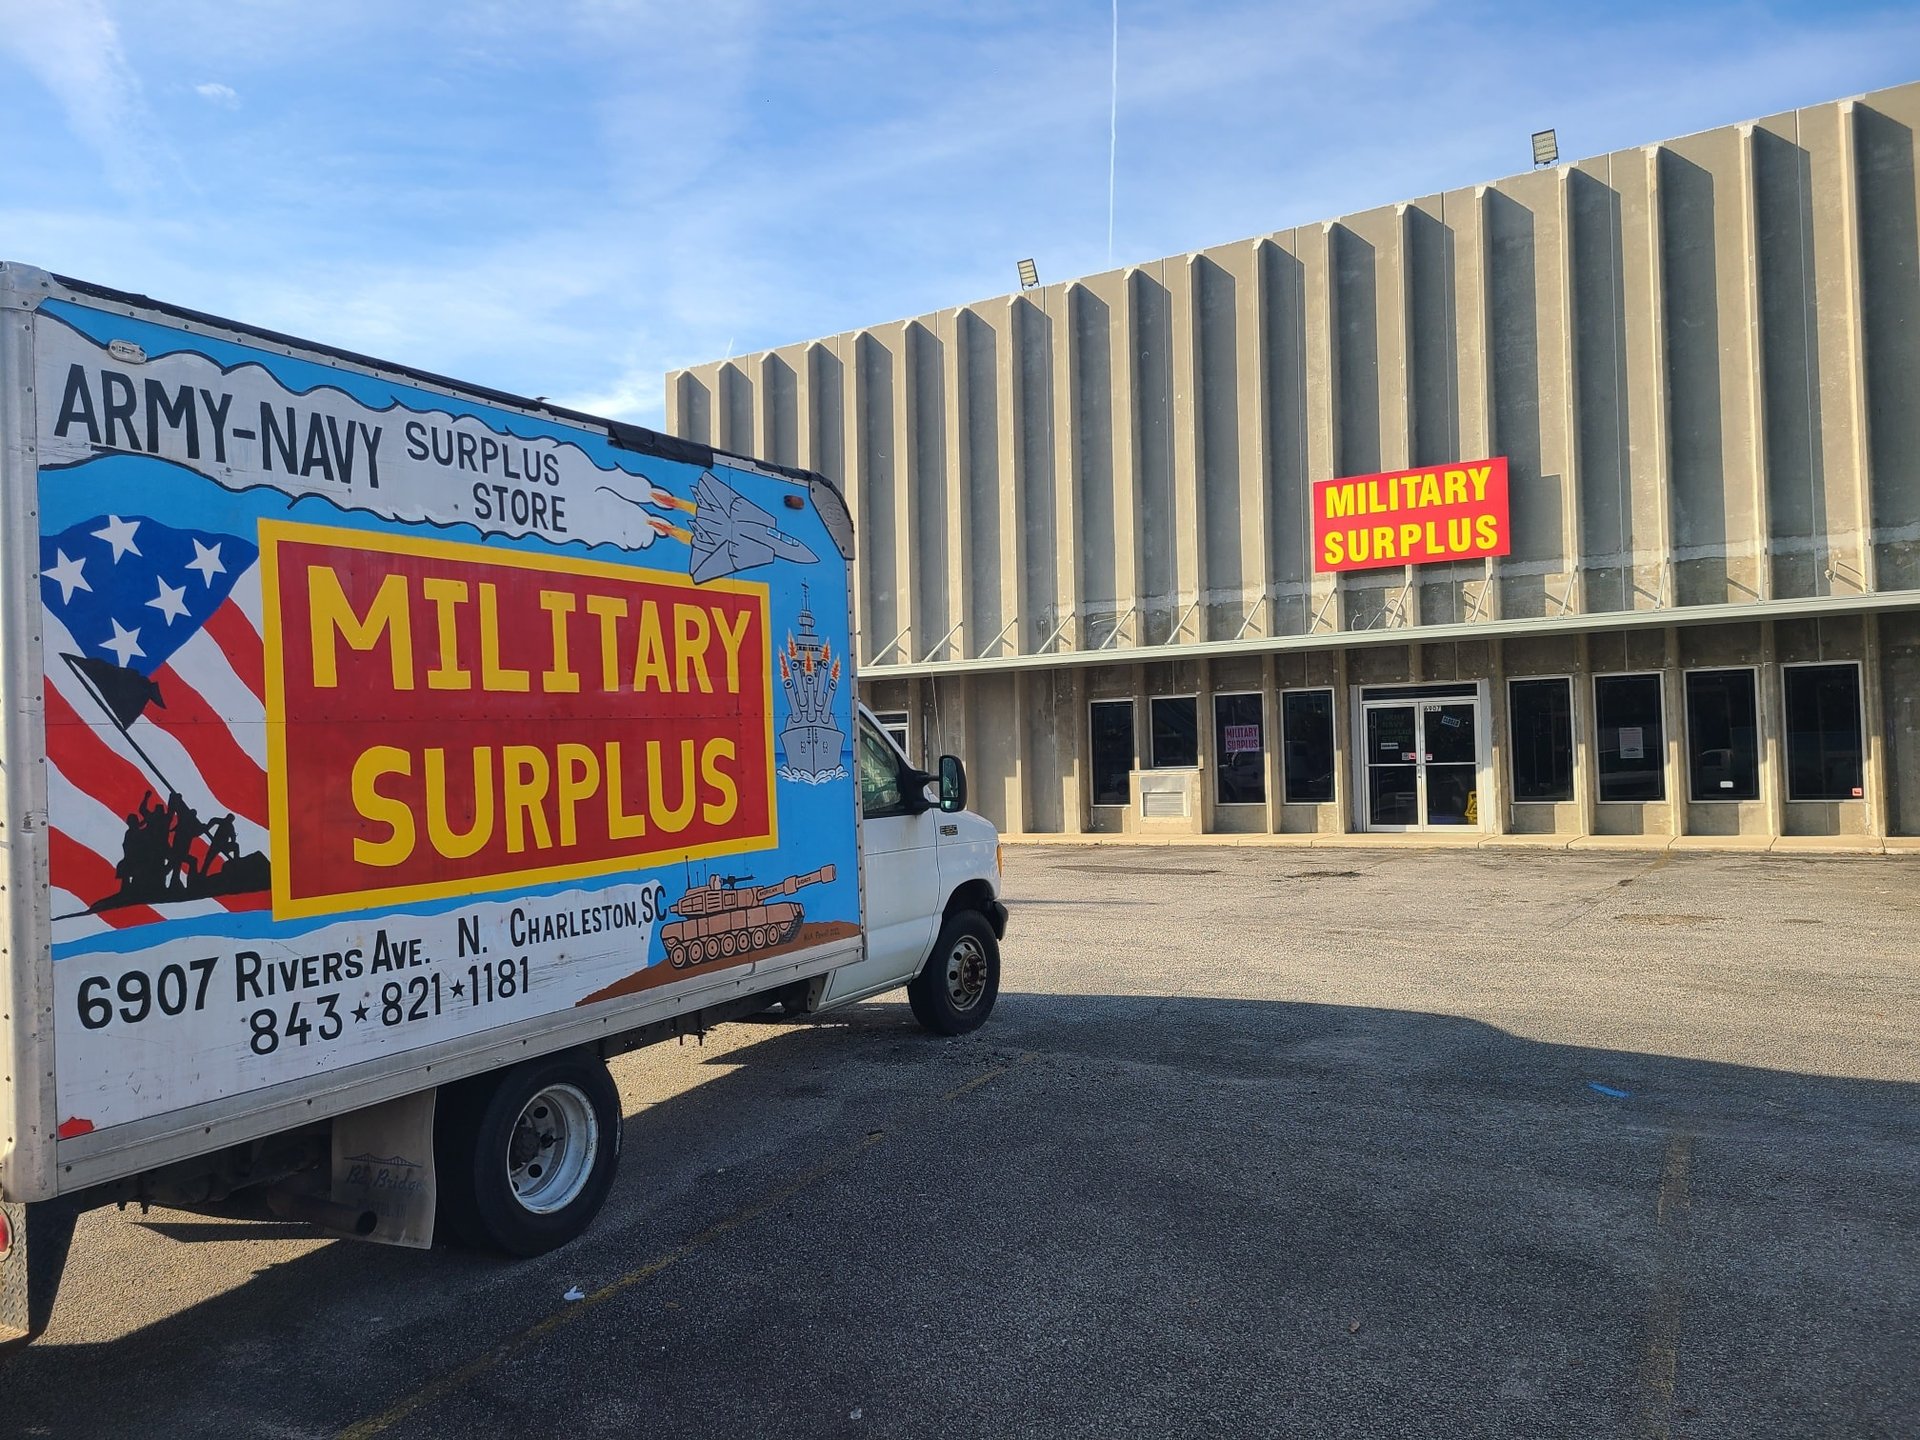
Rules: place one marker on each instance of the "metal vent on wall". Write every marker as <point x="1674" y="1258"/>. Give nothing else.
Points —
<point x="1167" y="804"/>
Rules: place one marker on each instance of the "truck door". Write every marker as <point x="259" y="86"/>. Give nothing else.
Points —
<point x="901" y="864"/>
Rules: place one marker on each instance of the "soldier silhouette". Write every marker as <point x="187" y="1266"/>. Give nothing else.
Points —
<point x="142" y="871"/>
<point x="182" y="869"/>
<point x="223" y="844"/>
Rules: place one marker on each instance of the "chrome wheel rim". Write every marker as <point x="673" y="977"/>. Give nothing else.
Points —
<point x="551" y="1151"/>
<point x="966" y="972"/>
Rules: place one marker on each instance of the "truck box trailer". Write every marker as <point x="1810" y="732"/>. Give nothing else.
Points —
<point x="381" y="753"/>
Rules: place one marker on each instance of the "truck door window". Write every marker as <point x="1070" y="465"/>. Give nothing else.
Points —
<point x="880" y="790"/>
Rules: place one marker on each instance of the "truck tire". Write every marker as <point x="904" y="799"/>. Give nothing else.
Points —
<point x="955" y="990"/>
<point x="525" y="1156"/>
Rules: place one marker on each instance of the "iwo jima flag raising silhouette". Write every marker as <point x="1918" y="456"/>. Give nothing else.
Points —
<point x="156" y="723"/>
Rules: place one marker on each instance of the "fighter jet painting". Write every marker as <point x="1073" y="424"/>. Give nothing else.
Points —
<point x="728" y="534"/>
<point x="731" y="533"/>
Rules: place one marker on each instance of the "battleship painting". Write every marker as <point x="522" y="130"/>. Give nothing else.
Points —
<point x="810" y="671"/>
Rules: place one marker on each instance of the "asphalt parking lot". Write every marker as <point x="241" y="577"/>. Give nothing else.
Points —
<point x="1259" y="1142"/>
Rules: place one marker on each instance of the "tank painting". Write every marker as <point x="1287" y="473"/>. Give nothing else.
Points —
<point x="727" y="918"/>
<point x="810" y="674"/>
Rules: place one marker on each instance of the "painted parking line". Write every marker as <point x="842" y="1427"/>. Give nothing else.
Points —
<point x="1660" y="1360"/>
<point x="984" y="1076"/>
<point x="453" y="1380"/>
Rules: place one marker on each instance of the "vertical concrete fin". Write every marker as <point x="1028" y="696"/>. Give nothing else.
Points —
<point x="1009" y="497"/>
<point x="1656" y="356"/>
<point x="1187" y="440"/>
<point x="1759" y="532"/>
<point x="1069" y="620"/>
<point x="1253" y="385"/>
<point x="1323" y="419"/>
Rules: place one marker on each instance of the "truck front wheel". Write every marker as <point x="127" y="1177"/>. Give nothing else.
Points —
<point x="525" y="1156"/>
<point x="955" y="990"/>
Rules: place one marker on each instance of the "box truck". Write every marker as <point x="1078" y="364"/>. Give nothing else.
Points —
<point x="379" y="754"/>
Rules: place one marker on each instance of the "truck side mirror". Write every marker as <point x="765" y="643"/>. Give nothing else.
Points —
<point x="953" y="784"/>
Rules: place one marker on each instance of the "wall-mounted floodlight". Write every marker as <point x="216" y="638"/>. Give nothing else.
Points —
<point x="1029" y="275"/>
<point x="1546" y="147"/>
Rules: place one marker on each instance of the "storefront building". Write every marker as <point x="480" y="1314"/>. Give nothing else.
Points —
<point x="1584" y="504"/>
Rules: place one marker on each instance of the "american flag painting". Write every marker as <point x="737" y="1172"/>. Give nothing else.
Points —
<point x="156" y="723"/>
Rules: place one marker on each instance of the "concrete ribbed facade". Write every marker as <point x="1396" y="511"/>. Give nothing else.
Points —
<point x="1701" y="359"/>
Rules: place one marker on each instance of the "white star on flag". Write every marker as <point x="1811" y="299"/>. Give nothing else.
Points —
<point x="170" y="602"/>
<point x="206" y="559"/>
<point x="125" y="644"/>
<point x="119" y="534"/>
<point x="67" y="575"/>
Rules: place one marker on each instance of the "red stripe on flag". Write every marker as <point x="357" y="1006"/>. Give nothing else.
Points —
<point x="84" y="873"/>
<point x="229" y="772"/>
<point x="75" y="749"/>
<point x="240" y="643"/>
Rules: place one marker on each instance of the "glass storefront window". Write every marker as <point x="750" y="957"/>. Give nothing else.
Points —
<point x="1176" y="732"/>
<point x="1112" y="723"/>
<point x="1541" y="738"/>
<point x="1824" y="753"/>
<point x="1239" y="749"/>
<point x="1723" y="735"/>
<point x="1306" y="726"/>
<point x="1632" y="737"/>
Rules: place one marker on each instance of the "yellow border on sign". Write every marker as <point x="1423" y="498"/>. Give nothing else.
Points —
<point x="288" y="907"/>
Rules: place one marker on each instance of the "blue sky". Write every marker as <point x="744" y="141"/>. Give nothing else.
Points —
<point x="570" y="205"/>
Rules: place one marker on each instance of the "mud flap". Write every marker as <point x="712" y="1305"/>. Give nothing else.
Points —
<point x="383" y="1162"/>
<point x="30" y="1270"/>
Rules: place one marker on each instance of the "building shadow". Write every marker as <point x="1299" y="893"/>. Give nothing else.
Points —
<point x="1133" y="1189"/>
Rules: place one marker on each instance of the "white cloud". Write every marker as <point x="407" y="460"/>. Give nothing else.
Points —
<point x="217" y="94"/>
<point x="73" y="48"/>
<point x="637" y="394"/>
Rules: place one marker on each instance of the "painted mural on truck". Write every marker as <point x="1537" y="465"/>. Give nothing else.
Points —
<point x="377" y="716"/>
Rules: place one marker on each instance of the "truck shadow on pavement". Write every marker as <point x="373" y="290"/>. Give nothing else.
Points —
<point x="1101" y="1215"/>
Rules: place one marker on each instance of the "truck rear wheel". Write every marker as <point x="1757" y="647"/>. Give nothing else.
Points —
<point x="954" y="992"/>
<point x="525" y="1157"/>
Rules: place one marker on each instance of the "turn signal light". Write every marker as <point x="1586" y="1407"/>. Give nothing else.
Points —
<point x="6" y="1235"/>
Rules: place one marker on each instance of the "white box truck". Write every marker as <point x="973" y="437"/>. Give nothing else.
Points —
<point x="379" y="754"/>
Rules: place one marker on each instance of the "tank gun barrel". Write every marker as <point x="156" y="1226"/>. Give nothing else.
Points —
<point x="822" y="876"/>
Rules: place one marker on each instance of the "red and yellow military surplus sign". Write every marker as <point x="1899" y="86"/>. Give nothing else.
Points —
<point x="1412" y="517"/>
<point x="444" y="719"/>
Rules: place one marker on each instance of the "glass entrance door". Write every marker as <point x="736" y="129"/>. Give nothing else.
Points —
<point x="1450" y="763"/>
<point x="1393" y="767"/>
<point x="1423" y="764"/>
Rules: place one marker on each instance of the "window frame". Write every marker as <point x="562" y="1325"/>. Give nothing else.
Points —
<point x="888" y="720"/>
<point x="1786" y="728"/>
<point x="1759" y="746"/>
<point x="1220" y="760"/>
<point x="1153" y="758"/>
<point x="1133" y="727"/>
<point x="1659" y="677"/>
<point x="1333" y="741"/>
<point x="1573" y="742"/>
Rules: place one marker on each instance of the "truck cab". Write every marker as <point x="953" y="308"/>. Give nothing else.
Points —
<point x="931" y="870"/>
